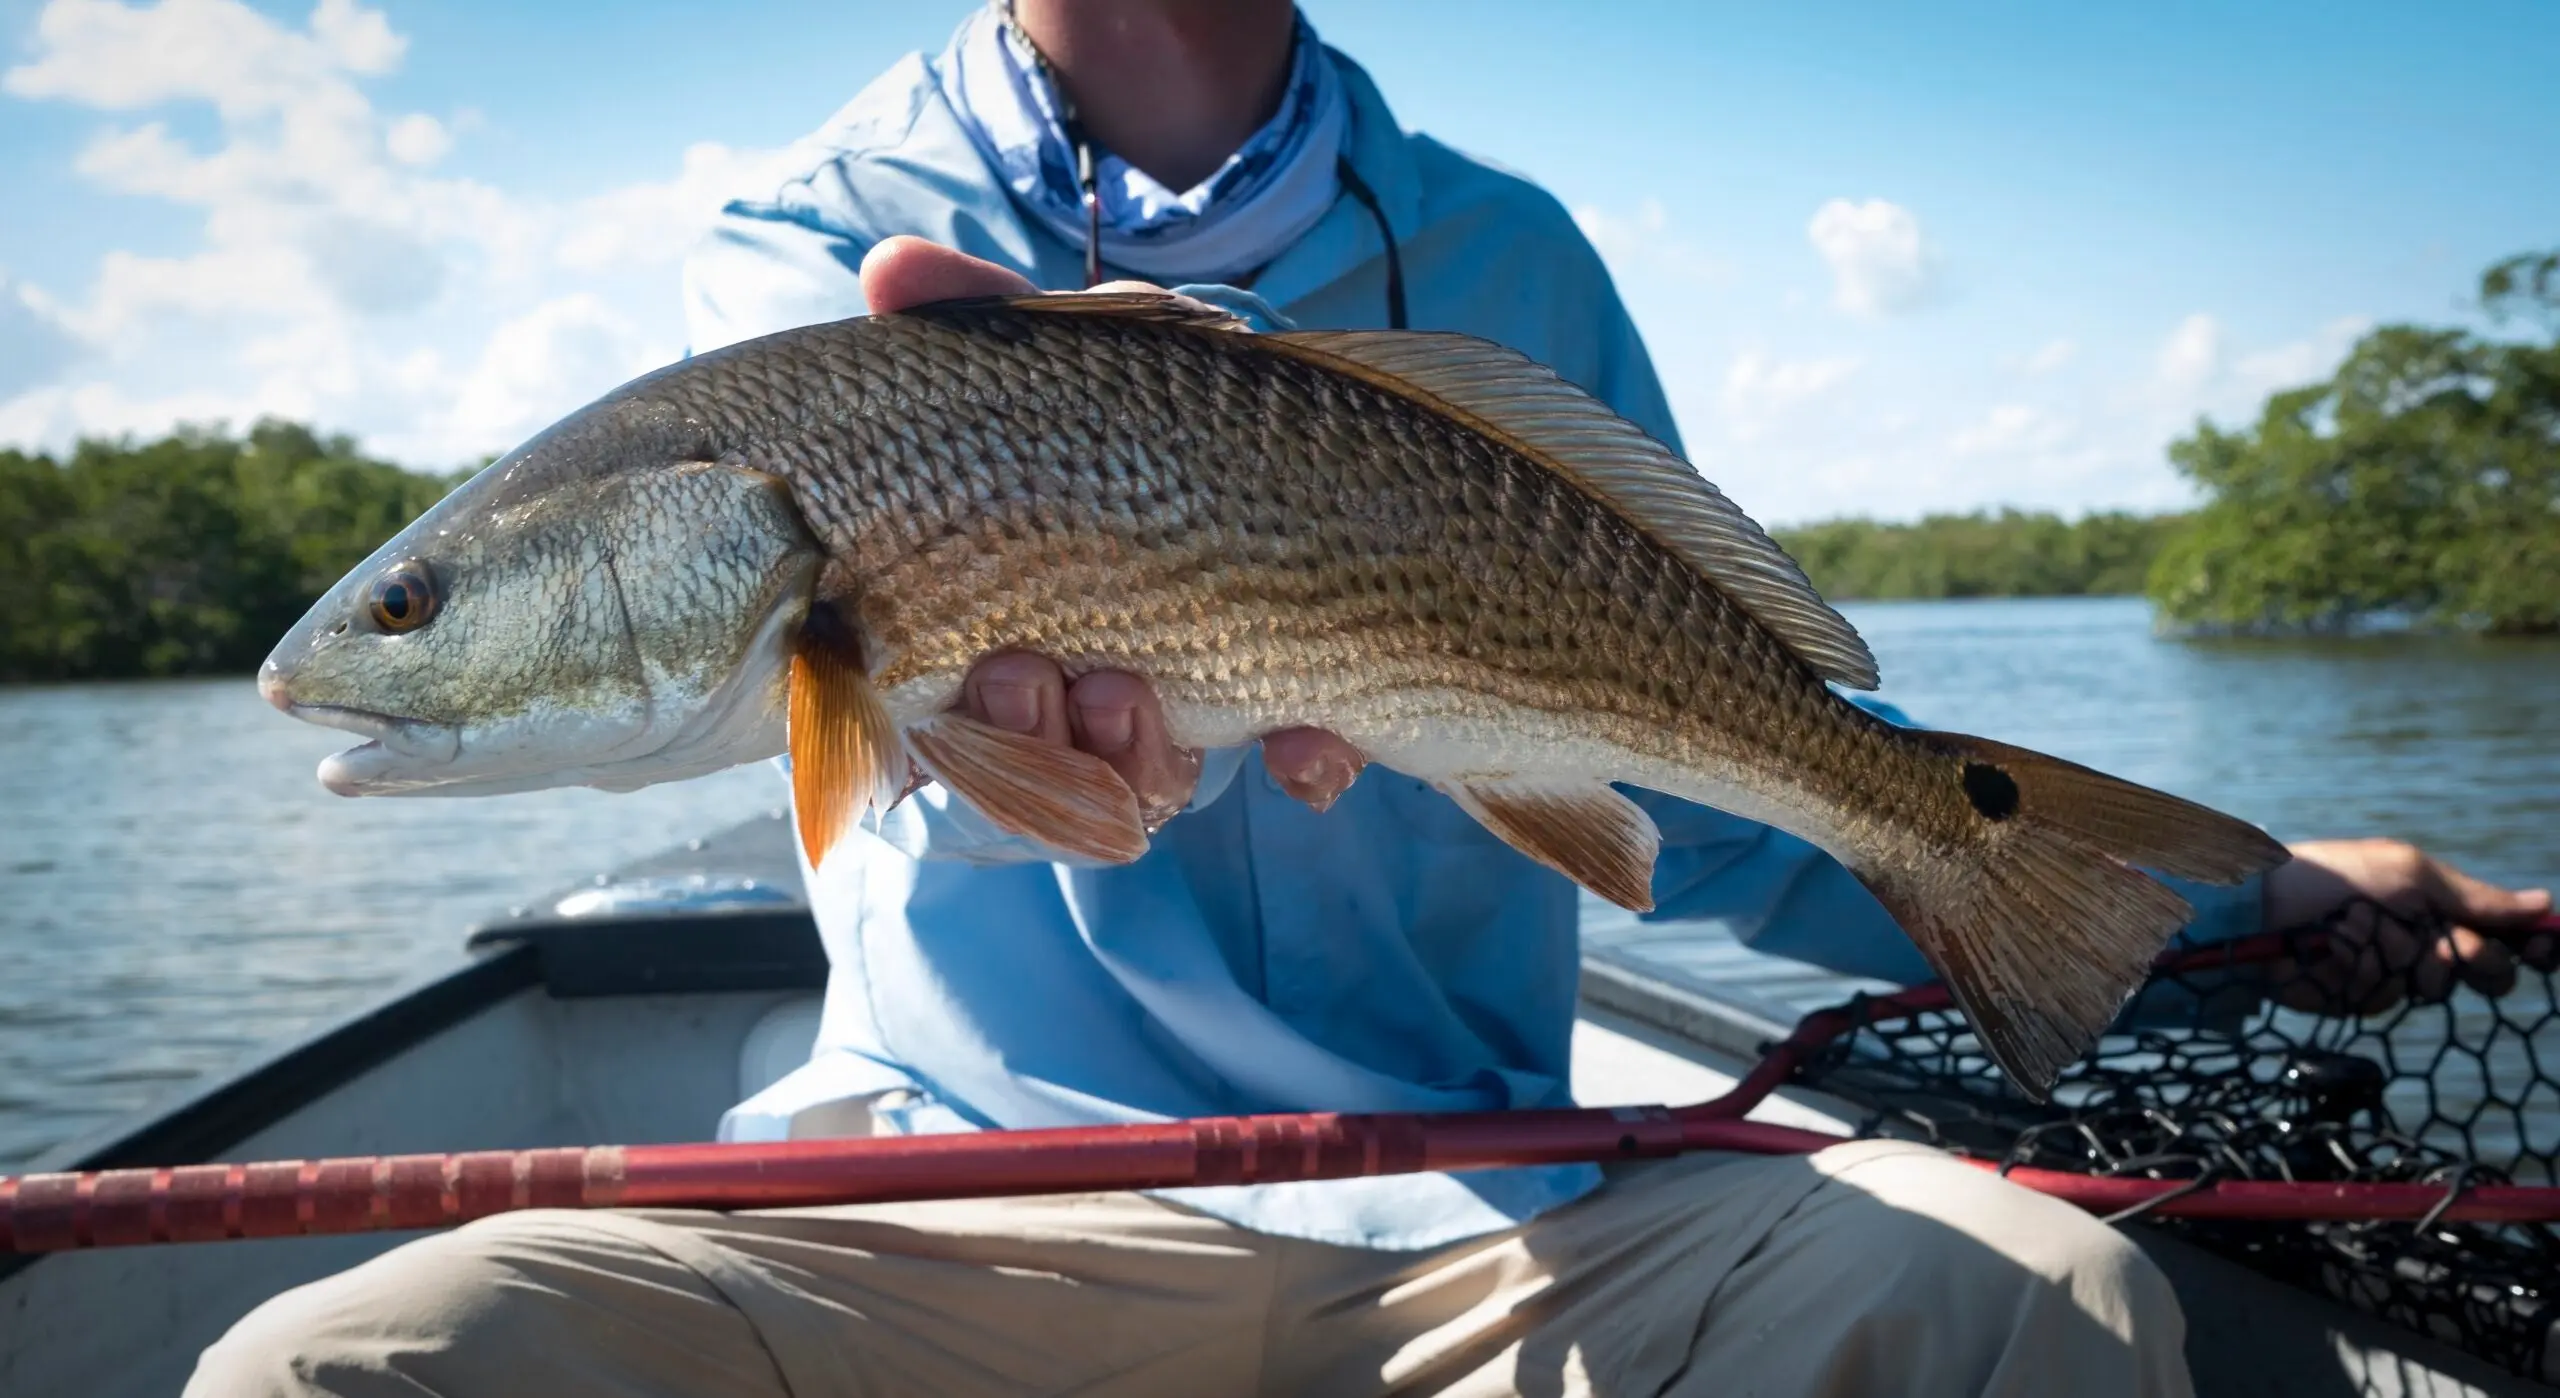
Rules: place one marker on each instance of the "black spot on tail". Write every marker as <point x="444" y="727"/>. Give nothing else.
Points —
<point x="1992" y="791"/>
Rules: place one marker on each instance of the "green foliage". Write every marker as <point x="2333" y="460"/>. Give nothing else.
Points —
<point x="187" y="555"/>
<point x="2010" y="554"/>
<point x="2527" y="285"/>
<point x="2421" y="481"/>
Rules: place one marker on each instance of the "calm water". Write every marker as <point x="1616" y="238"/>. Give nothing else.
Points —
<point x="176" y="891"/>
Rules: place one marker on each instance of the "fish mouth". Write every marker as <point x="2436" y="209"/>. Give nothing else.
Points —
<point x="364" y="722"/>
<point x="399" y="754"/>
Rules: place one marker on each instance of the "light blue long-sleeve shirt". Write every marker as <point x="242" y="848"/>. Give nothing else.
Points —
<point x="1386" y="955"/>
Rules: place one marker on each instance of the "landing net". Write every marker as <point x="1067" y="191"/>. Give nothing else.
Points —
<point x="2213" y="1079"/>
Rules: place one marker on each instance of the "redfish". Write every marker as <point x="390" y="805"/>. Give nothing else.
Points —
<point x="1470" y="569"/>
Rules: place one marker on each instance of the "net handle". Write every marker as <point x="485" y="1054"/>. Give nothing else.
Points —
<point x="297" y="1198"/>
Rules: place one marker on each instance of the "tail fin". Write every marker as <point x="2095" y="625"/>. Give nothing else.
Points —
<point x="2044" y="939"/>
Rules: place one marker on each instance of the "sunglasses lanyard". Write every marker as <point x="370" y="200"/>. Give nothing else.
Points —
<point x="1073" y="128"/>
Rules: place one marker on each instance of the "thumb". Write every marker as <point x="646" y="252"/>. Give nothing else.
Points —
<point x="903" y="271"/>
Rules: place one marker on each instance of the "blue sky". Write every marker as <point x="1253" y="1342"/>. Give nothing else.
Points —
<point x="1889" y="258"/>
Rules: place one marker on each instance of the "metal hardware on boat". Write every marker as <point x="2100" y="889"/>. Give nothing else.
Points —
<point x="690" y="893"/>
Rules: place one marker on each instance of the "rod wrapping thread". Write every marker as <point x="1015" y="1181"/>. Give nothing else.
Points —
<point x="286" y="1198"/>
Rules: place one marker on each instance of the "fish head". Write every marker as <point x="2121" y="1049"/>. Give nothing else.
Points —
<point x="609" y="605"/>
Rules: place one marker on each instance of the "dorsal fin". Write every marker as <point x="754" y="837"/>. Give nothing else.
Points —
<point x="1161" y="307"/>
<point x="1528" y="406"/>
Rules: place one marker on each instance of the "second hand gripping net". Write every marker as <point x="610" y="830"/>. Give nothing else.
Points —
<point x="2213" y="1075"/>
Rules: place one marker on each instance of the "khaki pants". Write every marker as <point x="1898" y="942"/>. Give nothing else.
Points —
<point x="1871" y="1268"/>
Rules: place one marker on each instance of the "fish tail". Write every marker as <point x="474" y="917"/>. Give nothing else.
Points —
<point x="2045" y="925"/>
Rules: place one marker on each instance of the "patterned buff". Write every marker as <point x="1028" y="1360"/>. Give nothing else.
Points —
<point x="1263" y="199"/>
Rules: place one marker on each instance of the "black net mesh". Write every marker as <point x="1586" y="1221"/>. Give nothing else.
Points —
<point x="2214" y="1077"/>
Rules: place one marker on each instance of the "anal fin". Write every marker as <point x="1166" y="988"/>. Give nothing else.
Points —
<point x="844" y="755"/>
<point x="1591" y="834"/>
<point x="1069" y="800"/>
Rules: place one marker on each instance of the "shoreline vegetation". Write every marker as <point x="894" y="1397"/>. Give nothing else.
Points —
<point x="2008" y="553"/>
<point x="188" y="555"/>
<point x="2419" y="483"/>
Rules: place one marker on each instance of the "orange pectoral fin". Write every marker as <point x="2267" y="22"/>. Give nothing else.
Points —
<point x="1069" y="800"/>
<point x="844" y="756"/>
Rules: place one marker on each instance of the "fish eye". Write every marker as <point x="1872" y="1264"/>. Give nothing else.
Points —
<point x="402" y="599"/>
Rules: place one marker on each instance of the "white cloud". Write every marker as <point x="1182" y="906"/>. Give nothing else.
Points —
<point x="117" y="57"/>
<point x="417" y="139"/>
<point x="1642" y="246"/>
<point x="336" y="277"/>
<point x="2051" y="355"/>
<point x="2303" y="361"/>
<point x="655" y="223"/>
<point x="2105" y="446"/>
<point x="2197" y="371"/>
<point x="1759" y="389"/>
<point x="35" y="346"/>
<point x="2011" y="428"/>
<point x="561" y="353"/>
<point x="359" y="39"/>
<point x="54" y="412"/>
<point x="1879" y="262"/>
<point x="1616" y="233"/>
<point x="134" y="295"/>
<point x="302" y="214"/>
<point x="2192" y="355"/>
<point x="1796" y="429"/>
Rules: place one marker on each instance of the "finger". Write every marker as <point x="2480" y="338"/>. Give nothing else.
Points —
<point x="2381" y="995"/>
<point x="2446" y="961"/>
<point x="2330" y="985"/>
<point x="2350" y="984"/>
<point x="2396" y="963"/>
<point x="1311" y="764"/>
<point x="2361" y="969"/>
<point x="1115" y="717"/>
<point x="2307" y="989"/>
<point x="2486" y="906"/>
<point x="1020" y="693"/>
<point x="2485" y="964"/>
<point x="902" y="272"/>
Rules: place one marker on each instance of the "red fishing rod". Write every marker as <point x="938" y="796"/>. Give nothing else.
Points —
<point x="198" y="1203"/>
